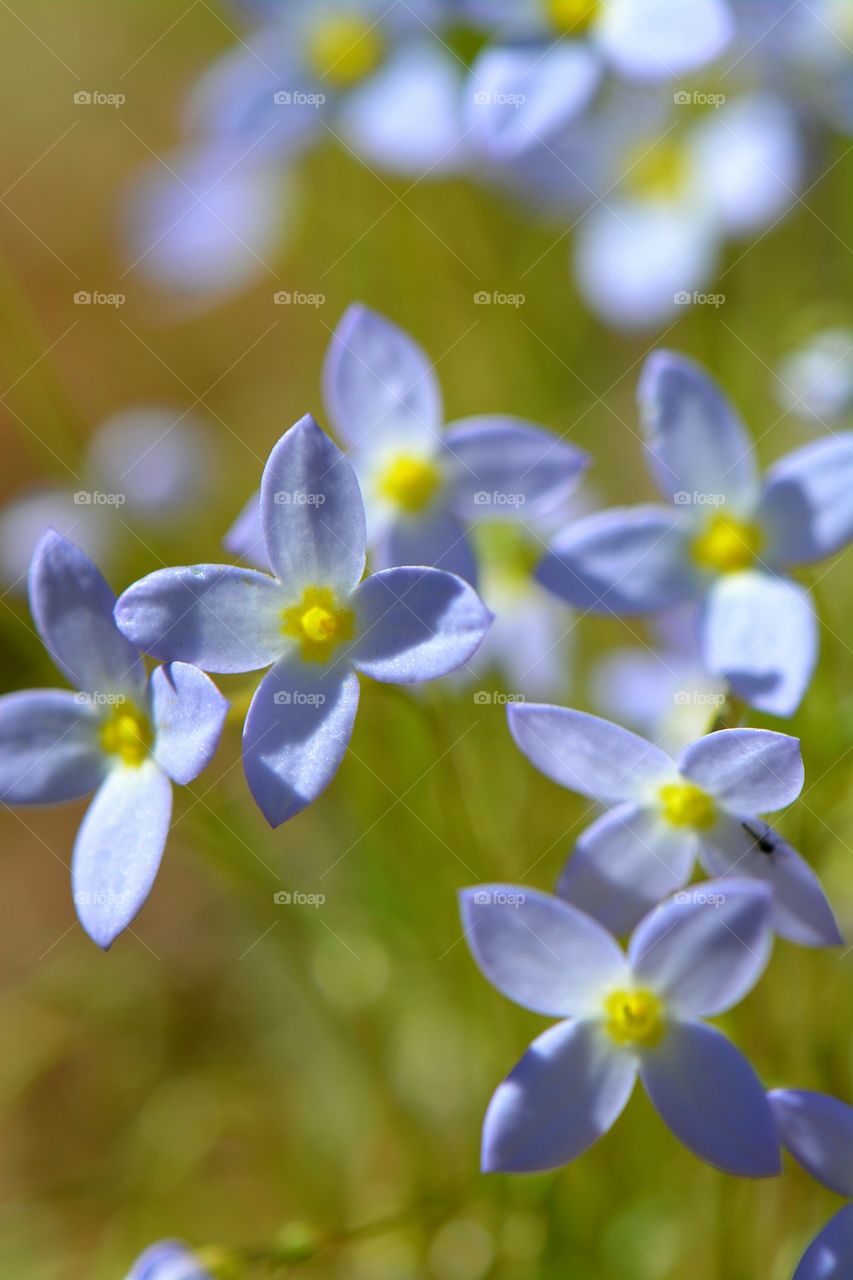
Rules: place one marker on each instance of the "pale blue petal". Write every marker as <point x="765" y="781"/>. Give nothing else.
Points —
<point x="217" y="617"/>
<point x="312" y="514"/>
<point x="245" y="538"/>
<point x="167" y="1260"/>
<point x="830" y="1254"/>
<point x="567" y="1090"/>
<point x="49" y="748"/>
<point x="624" y="863"/>
<point x="658" y="40"/>
<point x="815" y="381"/>
<point x="158" y="458"/>
<point x="623" y="561"/>
<point x="800" y="910"/>
<point x="587" y="754"/>
<point x="746" y="770"/>
<point x="188" y="713"/>
<point x="707" y="1093"/>
<point x="808" y="503"/>
<point x="760" y="634"/>
<point x="379" y="386"/>
<point x="415" y="624"/>
<point x="73" y="609"/>
<point x="539" y="951"/>
<point x="706" y="948"/>
<point x="296" y="734"/>
<point x="696" y="442"/>
<point x="818" y="1131"/>
<point x="27" y="516"/>
<point x="118" y="848"/>
<point x="436" y="538"/>
<point x="506" y="468"/>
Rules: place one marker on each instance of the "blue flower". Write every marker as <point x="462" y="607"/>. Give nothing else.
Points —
<point x="625" y="1015"/>
<point x="818" y="1132"/>
<point x="167" y="1260"/>
<point x="122" y="736"/>
<point x="668" y="812"/>
<point x="423" y="485"/>
<point x="815" y="382"/>
<point x="313" y="621"/>
<point x="725" y="539"/>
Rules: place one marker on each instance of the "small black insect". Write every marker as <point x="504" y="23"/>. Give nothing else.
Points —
<point x="764" y="842"/>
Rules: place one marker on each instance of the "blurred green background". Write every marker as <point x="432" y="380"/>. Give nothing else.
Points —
<point x="236" y="1064"/>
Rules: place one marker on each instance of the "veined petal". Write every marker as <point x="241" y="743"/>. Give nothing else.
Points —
<point x="657" y="40"/>
<point x="706" y="948"/>
<point x="818" y="1131"/>
<point x="217" y="617"/>
<point x="808" y="502"/>
<point x="296" y="734"/>
<point x="118" y="848"/>
<point x="567" y="1090"/>
<point x="746" y="770"/>
<point x="800" y="910"/>
<point x="587" y="754"/>
<point x="167" y="1260"/>
<point x="415" y="624"/>
<point x="624" y="863"/>
<point x="436" y="538"/>
<point x="188" y="712"/>
<point x="506" y="468"/>
<point x="245" y="538"/>
<point x="624" y="561"/>
<point x="49" y="749"/>
<point x="830" y="1254"/>
<point x="759" y="633"/>
<point x="696" y="442"/>
<point x="312" y="514"/>
<point x="539" y="951"/>
<point x="73" y="610"/>
<point x="706" y="1092"/>
<point x="379" y="386"/>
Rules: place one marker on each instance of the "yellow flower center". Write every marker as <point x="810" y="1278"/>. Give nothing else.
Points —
<point x="685" y="805"/>
<point x="127" y="733"/>
<point x="657" y="170"/>
<point x="507" y="553"/>
<point x="344" y="48"/>
<point x="634" y="1017"/>
<point x="726" y="545"/>
<point x="409" y="481"/>
<point x="572" y="16"/>
<point x="318" y="623"/>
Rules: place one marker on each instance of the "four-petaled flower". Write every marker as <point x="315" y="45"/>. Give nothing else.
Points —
<point x="724" y="539"/>
<point x="625" y="1015"/>
<point x="123" y="736"/>
<point x="666" y="813"/>
<point x="315" y="623"/>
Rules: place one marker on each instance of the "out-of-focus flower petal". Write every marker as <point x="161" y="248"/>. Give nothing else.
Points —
<point x="26" y="518"/>
<point x="49" y="749"/>
<point x="657" y="40"/>
<point x="188" y="712"/>
<point x="157" y="459"/>
<point x="830" y="1254"/>
<point x="808" y="502"/>
<point x="818" y="1131"/>
<point x="167" y="1260"/>
<point x="245" y="538"/>
<point x="435" y="538"/>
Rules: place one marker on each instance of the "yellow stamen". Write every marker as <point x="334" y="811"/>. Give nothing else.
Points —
<point x="726" y="544"/>
<point x="572" y="16"/>
<point x="686" y="805"/>
<point x="657" y="170"/>
<point x="409" y="481"/>
<point x="318" y="623"/>
<point x="127" y="733"/>
<point x="635" y="1017"/>
<point x="343" y="48"/>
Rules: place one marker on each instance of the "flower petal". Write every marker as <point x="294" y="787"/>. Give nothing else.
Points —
<point x="808" y="503"/>
<point x="818" y="1131"/>
<point x="312" y="514"/>
<point x="118" y="848"/>
<point x="245" y="538"/>
<point x="73" y="610"/>
<point x="624" y="864"/>
<point x="587" y="754"/>
<point x="503" y="467"/>
<point x="623" y="561"/>
<point x="379" y="386"/>
<point x="415" y="624"/>
<point x="800" y="911"/>
<point x="49" y="749"/>
<point x="746" y="770"/>
<point x="217" y="617"/>
<point x="167" y="1260"/>
<point x="539" y="951"/>
<point x="830" y="1254"/>
<point x="567" y="1090"/>
<point x="296" y="734"/>
<point x="189" y="715"/>
<point x="706" y="1092"/>
<point x="706" y="948"/>
<point x="657" y="40"/>
<point x="437" y="539"/>
<point x="760" y="634"/>
<point x="696" y="442"/>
